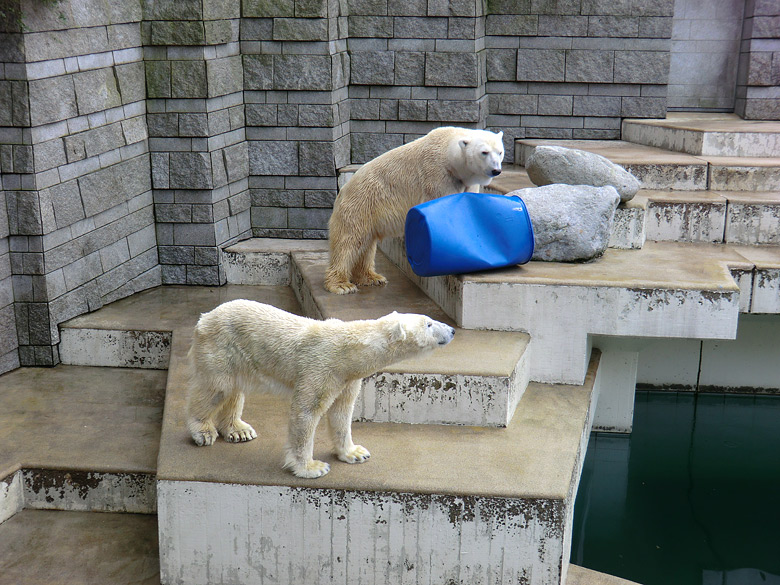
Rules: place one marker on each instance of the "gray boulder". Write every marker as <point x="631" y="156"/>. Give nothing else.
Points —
<point x="555" y="164"/>
<point x="572" y="223"/>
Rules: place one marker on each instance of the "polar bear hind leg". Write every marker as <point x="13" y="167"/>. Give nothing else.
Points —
<point x="229" y="423"/>
<point x="214" y="407"/>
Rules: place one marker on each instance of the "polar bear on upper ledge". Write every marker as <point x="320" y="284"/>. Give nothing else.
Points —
<point x="374" y="202"/>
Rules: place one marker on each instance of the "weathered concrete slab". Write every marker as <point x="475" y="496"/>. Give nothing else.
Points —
<point x="685" y="216"/>
<point x="752" y="218"/>
<point x="706" y="134"/>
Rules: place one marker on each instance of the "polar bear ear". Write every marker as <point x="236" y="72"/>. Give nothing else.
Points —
<point x="501" y="134"/>
<point x="463" y="143"/>
<point x="398" y="332"/>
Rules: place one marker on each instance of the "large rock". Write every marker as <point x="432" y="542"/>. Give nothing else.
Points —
<point x="572" y="223"/>
<point x="555" y="164"/>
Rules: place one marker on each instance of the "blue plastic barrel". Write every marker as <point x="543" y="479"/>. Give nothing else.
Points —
<point x="467" y="232"/>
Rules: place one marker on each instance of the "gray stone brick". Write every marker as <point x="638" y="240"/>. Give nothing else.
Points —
<point x="177" y="32"/>
<point x="51" y="100"/>
<point x="555" y="105"/>
<point x="163" y="125"/>
<point x="452" y="70"/>
<point x="512" y="25"/>
<point x="114" y="254"/>
<point x="316" y="159"/>
<point x="224" y="76"/>
<point x="261" y="114"/>
<point x="613" y="26"/>
<point x="173" y="274"/>
<point x="589" y="66"/>
<point x="193" y="234"/>
<point x="188" y="79"/>
<point x="108" y="187"/>
<point x="205" y="256"/>
<point x="308" y="218"/>
<point x="160" y="170"/>
<point x="370" y="26"/>
<point x="103" y="139"/>
<point x="48" y="155"/>
<point x="276" y="197"/>
<point x="302" y="72"/>
<point x="287" y="114"/>
<point x="643" y="107"/>
<point x="501" y="64"/>
<point x="597" y="106"/>
<point x="24" y="212"/>
<point x="454" y="111"/>
<point x="66" y="200"/>
<point x="132" y="82"/>
<point x="651" y="67"/>
<point x="372" y="67"/>
<point x="317" y="115"/>
<point x="173" y="212"/>
<point x="96" y="90"/>
<point x="273" y="158"/>
<point x="300" y="29"/>
<point x="655" y="27"/>
<point x="203" y="213"/>
<point x="563" y="26"/>
<point x="193" y="124"/>
<point x="541" y="65"/>
<point x="158" y="79"/>
<point x="413" y="109"/>
<point x="376" y="7"/>
<point x="367" y="146"/>
<point x="203" y="275"/>
<point x="514" y="104"/>
<point x="320" y="198"/>
<point x="607" y="7"/>
<point x="269" y="217"/>
<point x="258" y="72"/>
<point x="141" y="241"/>
<point x="236" y="161"/>
<point x="420" y="28"/>
<point x="388" y="109"/>
<point x="409" y="68"/>
<point x="190" y="170"/>
<point x="134" y="129"/>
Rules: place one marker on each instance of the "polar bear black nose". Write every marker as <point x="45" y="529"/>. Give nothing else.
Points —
<point x="496" y="172"/>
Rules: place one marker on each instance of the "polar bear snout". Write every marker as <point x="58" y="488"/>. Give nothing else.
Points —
<point x="495" y="172"/>
<point x="441" y="332"/>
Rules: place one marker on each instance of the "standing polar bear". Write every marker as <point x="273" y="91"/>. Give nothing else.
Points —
<point x="244" y="345"/>
<point x="374" y="202"/>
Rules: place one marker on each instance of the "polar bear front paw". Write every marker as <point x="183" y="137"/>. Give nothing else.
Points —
<point x="371" y="279"/>
<point x="204" y="433"/>
<point x="311" y="470"/>
<point x="240" y="432"/>
<point x="357" y="454"/>
<point x="341" y="288"/>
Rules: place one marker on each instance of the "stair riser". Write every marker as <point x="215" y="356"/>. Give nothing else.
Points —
<point x="685" y="222"/>
<point x="746" y="178"/>
<point x="766" y="292"/>
<point x="11" y="495"/>
<point x="628" y="228"/>
<point x="752" y="224"/>
<point x="268" y="268"/>
<point x="77" y="491"/>
<point x="442" y="399"/>
<point x="114" y="348"/>
<point x="354" y="537"/>
<point x="683" y="177"/>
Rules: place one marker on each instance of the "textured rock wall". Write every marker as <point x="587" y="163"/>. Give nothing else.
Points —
<point x="758" y="82"/>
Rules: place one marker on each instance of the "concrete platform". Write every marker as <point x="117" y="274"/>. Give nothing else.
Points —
<point x="79" y="438"/>
<point x="706" y="134"/>
<point x="62" y="548"/>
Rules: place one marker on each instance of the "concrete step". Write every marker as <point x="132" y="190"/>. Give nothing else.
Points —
<point x="434" y="504"/>
<point x="706" y="134"/>
<point x="98" y="448"/>
<point x="735" y="217"/>
<point x="661" y="169"/>
<point x="62" y="548"/>
<point x="663" y="290"/>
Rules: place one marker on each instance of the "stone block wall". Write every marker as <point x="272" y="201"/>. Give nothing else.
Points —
<point x="200" y="170"/>
<point x="758" y="83"/>
<point x="296" y="72"/>
<point x="76" y="173"/>
<point x="575" y="68"/>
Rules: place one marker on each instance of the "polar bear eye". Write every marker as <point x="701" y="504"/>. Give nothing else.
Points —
<point x="429" y="324"/>
<point x="485" y="152"/>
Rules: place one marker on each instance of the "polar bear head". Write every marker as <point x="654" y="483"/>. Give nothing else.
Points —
<point x="417" y="332"/>
<point x="482" y="153"/>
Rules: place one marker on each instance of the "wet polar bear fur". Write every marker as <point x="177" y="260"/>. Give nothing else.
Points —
<point x="245" y="345"/>
<point x="374" y="202"/>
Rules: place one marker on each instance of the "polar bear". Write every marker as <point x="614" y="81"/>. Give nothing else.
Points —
<point x="374" y="202"/>
<point x="244" y="345"/>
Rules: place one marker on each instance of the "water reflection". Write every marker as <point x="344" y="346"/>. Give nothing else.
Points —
<point x="692" y="497"/>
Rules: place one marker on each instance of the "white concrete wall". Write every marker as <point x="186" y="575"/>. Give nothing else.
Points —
<point x="237" y="534"/>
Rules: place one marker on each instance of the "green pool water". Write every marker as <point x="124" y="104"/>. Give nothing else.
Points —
<point x="691" y="497"/>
